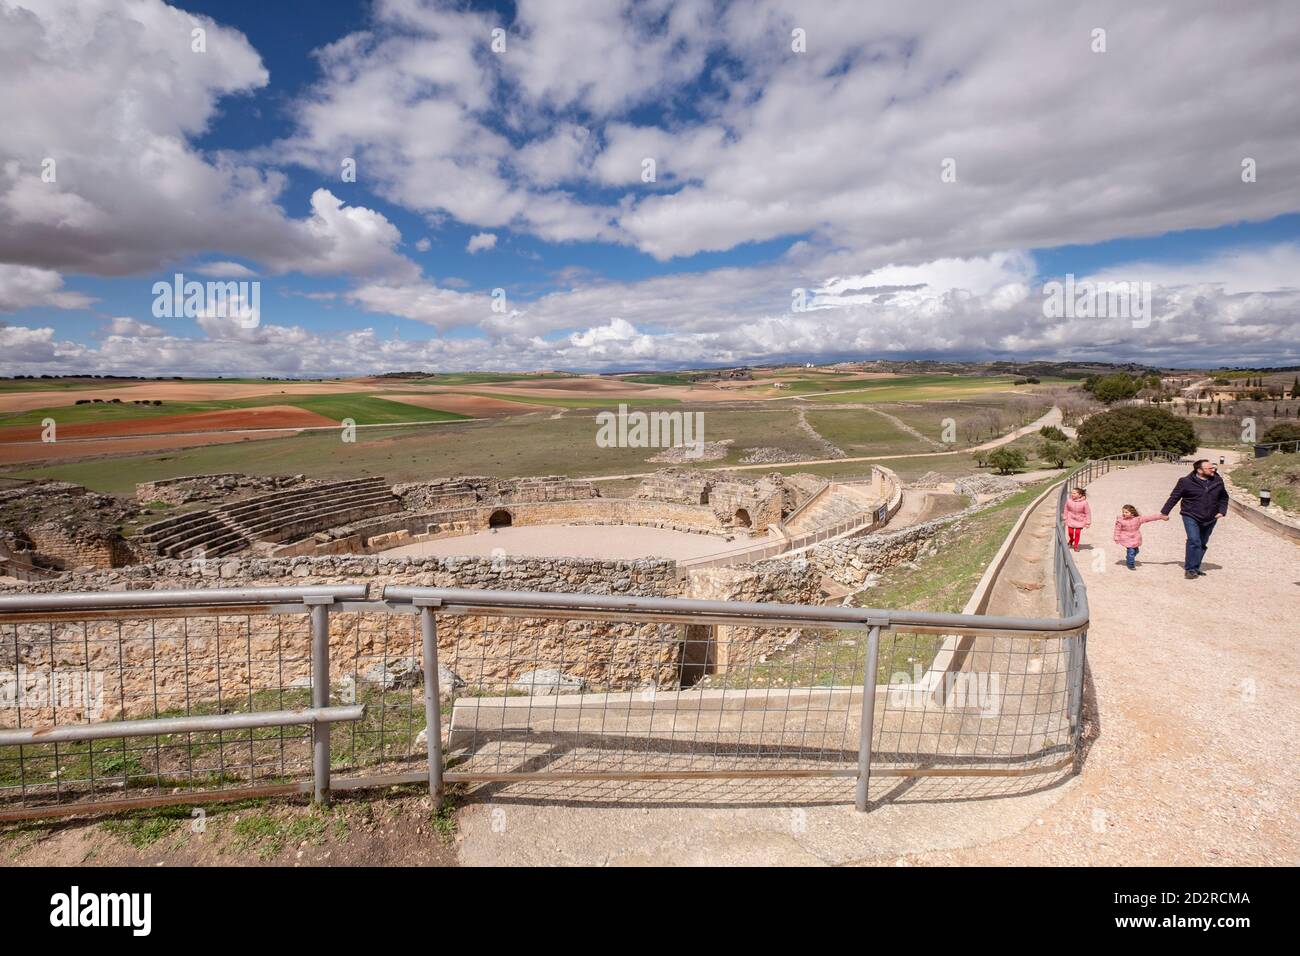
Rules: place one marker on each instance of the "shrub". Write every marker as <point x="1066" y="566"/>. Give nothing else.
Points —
<point x="1135" y="428"/>
<point x="1052" y="433"/>
<point x="1007" y="460"/>
<point x="1282" y="431"/>
<point x="1055" y="452"/>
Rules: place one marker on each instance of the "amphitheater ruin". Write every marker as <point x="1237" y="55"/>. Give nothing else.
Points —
<point x="772" y="539"/>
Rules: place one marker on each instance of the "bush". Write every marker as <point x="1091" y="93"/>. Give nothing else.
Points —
<point x="1007" y="460"/>
<point x="1135" y="428"/>
<point x="1055" y="452"/>
<point x="1283" y="431"/>
<point x="1052" y="433"/>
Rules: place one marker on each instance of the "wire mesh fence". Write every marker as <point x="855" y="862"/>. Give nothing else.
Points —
<point x="518" y="686"/>
<point x="87" y="672"/>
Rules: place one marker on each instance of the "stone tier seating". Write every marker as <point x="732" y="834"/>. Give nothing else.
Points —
<point x="838" y="503"/>
<point x="278" y="516"/>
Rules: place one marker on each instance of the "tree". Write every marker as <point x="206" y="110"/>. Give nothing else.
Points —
<point x="1052" y="433"/>
<point x="981" y="459"/>
<point x="1054" y="452"/>
<point x="1007" y="460"/>
<point x="1134" y="428"/>
<point x="1113" y="388"/>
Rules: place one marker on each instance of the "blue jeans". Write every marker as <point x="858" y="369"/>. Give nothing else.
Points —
<point x="1198" y="539"/>
<point x="1130" y="555"/>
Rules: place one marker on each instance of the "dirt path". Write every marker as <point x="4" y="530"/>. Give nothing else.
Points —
<point x="1195" y="686"/>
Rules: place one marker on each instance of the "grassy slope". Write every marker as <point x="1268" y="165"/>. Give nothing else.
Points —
<point x="1280" y="474"/>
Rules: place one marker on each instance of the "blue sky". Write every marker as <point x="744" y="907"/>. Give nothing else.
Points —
<point x="778" y="169"/>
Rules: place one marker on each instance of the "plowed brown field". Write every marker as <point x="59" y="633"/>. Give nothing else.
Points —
<point x="265" y="416"/>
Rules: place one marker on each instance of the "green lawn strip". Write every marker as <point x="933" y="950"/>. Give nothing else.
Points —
<point x="362" y="408"/>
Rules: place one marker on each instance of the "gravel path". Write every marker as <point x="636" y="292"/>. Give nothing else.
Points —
<point x="1195" y="686"/>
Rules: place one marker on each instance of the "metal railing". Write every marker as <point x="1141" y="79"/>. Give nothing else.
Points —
<point x="1264" y="449"/>
<point x="115" y="700"/>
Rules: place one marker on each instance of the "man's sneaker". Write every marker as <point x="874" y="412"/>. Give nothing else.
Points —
<point x="1200" y="573"/>
<point x="1190" y="575"/>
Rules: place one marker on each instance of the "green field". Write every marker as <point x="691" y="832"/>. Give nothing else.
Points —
<point x="596" y="401"/>
<point x="915" y="388"/>
<point x="478" y="378"/>
<point x="857" y="432"/>
<point x="108" y="412"/>
<point x="659" y="378"/>
<point x="362" y="408"/>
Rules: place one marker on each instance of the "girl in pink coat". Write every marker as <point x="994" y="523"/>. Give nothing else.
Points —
<point x="1077" y="515"/>
<point x="1128" y="532"/>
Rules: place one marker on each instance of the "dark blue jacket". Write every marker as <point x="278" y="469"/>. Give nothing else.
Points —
<point x="1202" y="498"/>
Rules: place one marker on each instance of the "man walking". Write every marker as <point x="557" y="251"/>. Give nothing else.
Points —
<point x="1205" y="501"/>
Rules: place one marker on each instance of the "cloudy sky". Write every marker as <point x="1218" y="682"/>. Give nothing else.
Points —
<point x="919" y="170"/>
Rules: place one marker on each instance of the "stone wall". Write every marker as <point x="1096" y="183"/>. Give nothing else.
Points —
<point x="229" y="485"/>
<point x="253" y="653"/>
<point x="466" y="491"/>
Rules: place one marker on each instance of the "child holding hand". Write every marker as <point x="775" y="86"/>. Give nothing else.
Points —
<point x="1128" y="532"/>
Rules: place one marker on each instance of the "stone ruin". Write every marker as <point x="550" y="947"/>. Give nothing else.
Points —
<point x="56" y="525"/>
<point x="738" y="501"/>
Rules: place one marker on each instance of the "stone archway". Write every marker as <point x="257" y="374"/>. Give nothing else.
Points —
<point x="501" y="519"/>
<point x="742" y="518"/>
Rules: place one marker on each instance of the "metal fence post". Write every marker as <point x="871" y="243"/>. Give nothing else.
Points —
<point x="320" y="694"/>
<point x="432" y="713"/>
<point x="868" y="716"/>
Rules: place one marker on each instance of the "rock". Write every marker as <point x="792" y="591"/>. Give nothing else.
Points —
<point x="547" y="680"/>
<point x="448" y="681"/>
<point x="399" y="672"/>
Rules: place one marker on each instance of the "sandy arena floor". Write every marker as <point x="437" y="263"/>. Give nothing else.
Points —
<point x="577" y="541"/>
